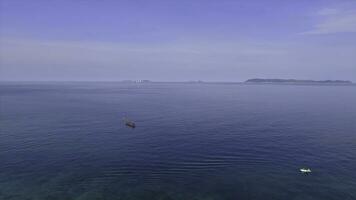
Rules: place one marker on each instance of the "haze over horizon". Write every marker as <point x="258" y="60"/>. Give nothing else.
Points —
<point x="177" y="40"/>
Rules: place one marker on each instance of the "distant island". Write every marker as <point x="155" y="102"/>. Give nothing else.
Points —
<point x="136" y="81"/>
<point x="295" y="81"/>
<point x="251" y="81"/>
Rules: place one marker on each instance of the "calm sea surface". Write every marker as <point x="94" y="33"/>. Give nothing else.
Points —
<point x="63" y="141"/>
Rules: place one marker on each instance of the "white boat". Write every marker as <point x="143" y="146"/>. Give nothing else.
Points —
<point x="305" y="170"/>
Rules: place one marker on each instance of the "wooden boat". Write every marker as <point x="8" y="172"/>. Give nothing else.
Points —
<point x="129" y="123"/>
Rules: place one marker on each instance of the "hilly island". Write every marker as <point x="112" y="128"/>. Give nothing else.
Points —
<point x="296" y="81"/>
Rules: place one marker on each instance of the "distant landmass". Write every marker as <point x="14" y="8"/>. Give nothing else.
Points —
<point x="136" y="81"/>
<point x="296" y="81"/>
<point x="253" y="81"/>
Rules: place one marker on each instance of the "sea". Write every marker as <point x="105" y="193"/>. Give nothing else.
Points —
<point x="192" y="141"/>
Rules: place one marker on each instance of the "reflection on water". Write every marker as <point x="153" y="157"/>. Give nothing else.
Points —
<point x="192" y="141"/>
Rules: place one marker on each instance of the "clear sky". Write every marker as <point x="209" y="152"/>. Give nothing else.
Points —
<point x="177" y="40"/>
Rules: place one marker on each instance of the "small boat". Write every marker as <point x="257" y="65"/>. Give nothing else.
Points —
<point x="129" y="123"/>
<point x="305" y="170"/>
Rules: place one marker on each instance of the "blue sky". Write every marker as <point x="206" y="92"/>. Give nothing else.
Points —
<point x="221" y="40"/>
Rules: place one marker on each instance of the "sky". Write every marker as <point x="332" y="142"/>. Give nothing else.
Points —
<point x="177" y="40"/>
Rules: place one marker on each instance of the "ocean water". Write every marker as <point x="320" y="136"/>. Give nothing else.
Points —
<point x="63" y="141"/>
